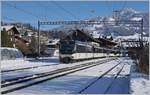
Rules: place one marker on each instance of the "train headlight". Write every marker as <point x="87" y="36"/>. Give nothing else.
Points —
<point x="72" y="56"/>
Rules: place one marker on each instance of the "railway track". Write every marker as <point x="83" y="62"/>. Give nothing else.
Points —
<point x="21" y="69"/>
<point x="26" y="81"/>
<point x="107" y="89"/>
<point x="114" y="79"/>
<point x="5" y="81"/>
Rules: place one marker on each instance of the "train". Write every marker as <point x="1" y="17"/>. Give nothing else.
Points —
<point x="72" y="50"/>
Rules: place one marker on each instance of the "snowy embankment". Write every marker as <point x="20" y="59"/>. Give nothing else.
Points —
<point x="139" y="83"/>
<point x="25" y="63"/>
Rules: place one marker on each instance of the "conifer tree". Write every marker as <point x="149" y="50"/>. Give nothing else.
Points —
<point x="5" y="39"/>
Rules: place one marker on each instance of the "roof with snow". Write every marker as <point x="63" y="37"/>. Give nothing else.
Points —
<point x="80" y="35"/>
<point x="10" y="27"/>
<point x="7" y="27"/>
<point x="106" y="42"/>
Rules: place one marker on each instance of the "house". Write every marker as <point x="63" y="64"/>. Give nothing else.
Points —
<point x="26" y="33"/>
<point x="81" y="35"/>
<point x="12" y="32"/>
<point x="106" y="42"/>
<point x="16" y="39"/>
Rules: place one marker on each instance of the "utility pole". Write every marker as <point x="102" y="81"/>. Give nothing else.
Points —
<point x="38" y="38"/>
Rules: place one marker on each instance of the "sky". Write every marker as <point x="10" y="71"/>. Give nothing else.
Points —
<point x="32" y="11"/>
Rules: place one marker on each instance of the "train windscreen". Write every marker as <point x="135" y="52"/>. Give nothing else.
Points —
<point x="66" y="47"/>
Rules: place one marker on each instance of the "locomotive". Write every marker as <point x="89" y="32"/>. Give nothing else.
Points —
<point x="72" y="50"/>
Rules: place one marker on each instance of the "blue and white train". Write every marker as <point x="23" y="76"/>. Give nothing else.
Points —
<point x="70" y="51"/>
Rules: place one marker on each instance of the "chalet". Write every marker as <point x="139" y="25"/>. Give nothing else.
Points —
<point x="106" y="42"/>
<point x="12" y="32"/>
<point x="17" y="40"/>
<point x="81" y="35"/>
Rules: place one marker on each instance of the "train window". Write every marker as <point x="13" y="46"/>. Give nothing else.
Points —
<point x="89" y="49"/>
<point x="83" y="48"/>
<point x="51" y="46"/>
<point x="77" y="48"/>
<point x="80" y="48"/>
<point x="67" y="47"/>
<point x="50" y="41"/>
<point x="104" y="50"/>
<point x="97" y="50"/>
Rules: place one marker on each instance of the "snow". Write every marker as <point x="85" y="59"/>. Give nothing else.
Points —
<point x="95" y="34"/>
<point x="10" y="53"/>
<point x="136" y="18"/>
<point x="127" y="82"/>
<point x="74" y="82"/>
<point x="140" y="83"/>
<point x="23" y="63"/>
<point x="18" y="64"/>
<point x="98" y="26"/>
<point x="119" y="85"/>
<point x="135" y="37"/>
<point x="7" y="27"/>
<point x="111" y="19"/>
<point x="101" y="85"/>
<point x="53" y="63"/>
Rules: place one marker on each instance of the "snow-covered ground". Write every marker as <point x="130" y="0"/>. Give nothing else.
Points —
<point x="127" y="82"/>
<point x="75" y="82"/>
<point x="25" y="63"/>
<point x="120" y="85"/>
<point x="53" y="63"/>
<point x="139" y="83"/>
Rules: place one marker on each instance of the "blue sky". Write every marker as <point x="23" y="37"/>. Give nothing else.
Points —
<point x="32" y="11"/>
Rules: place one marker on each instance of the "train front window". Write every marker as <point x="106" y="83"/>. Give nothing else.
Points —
<point x="67" y="47"/>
